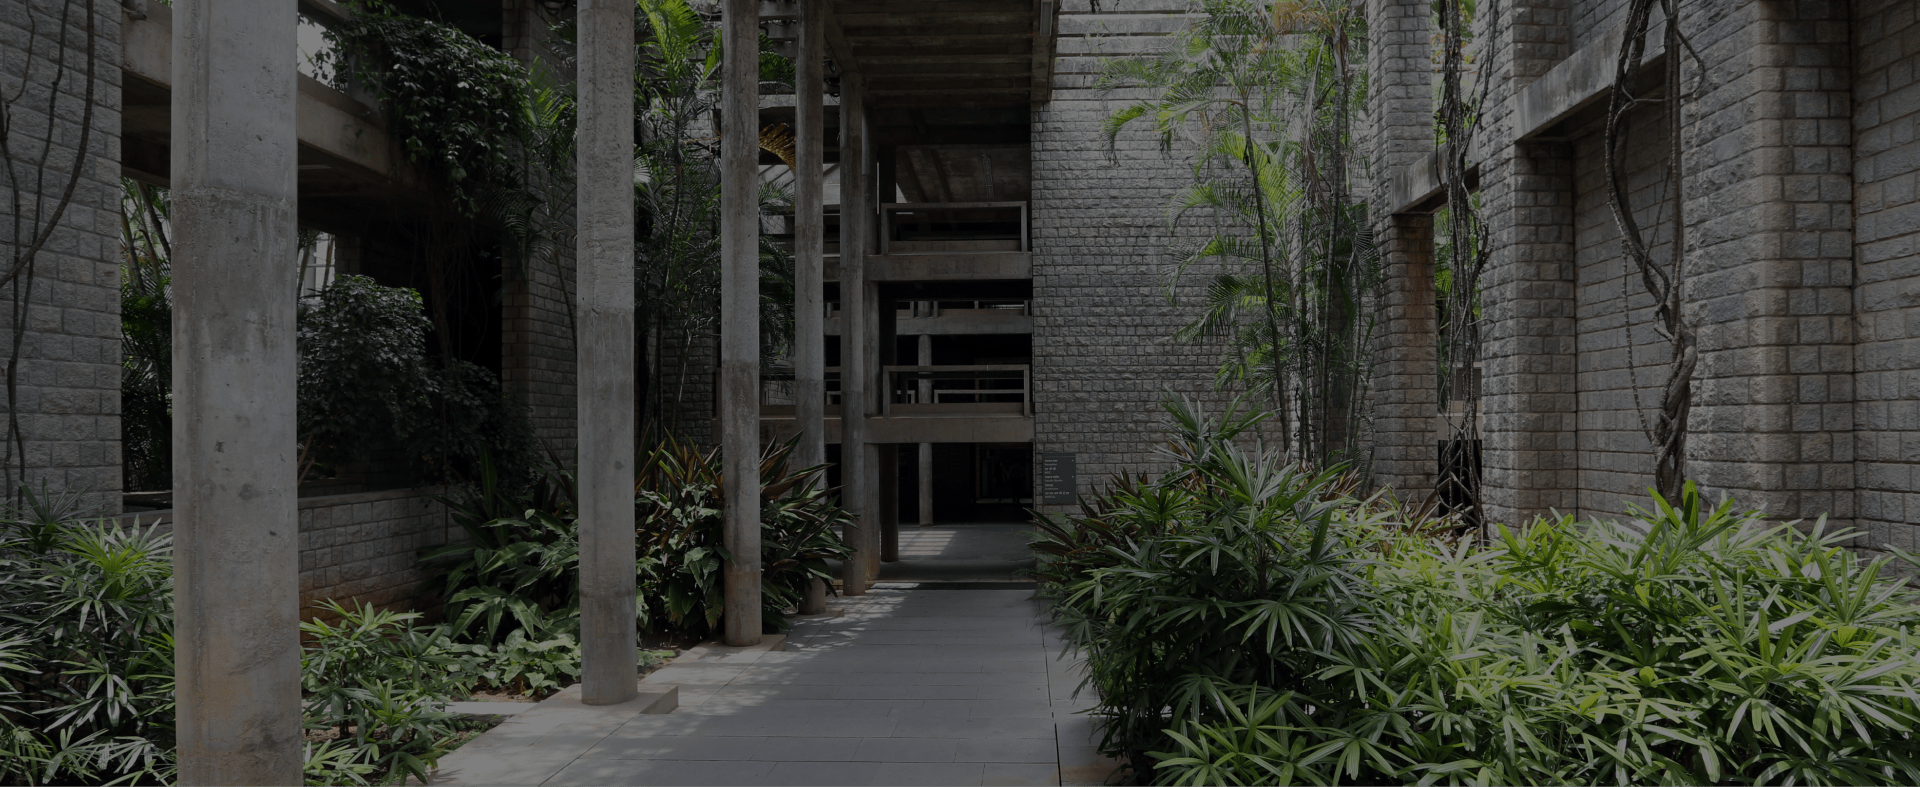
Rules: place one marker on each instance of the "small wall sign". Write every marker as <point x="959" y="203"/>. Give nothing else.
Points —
<point x="1059" y="479"/>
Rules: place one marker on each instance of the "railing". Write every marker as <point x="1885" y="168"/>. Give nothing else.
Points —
<point x="948" y="227"/>
<point x="924" y="388"/>
<point x="980" y="388"/>
<point x="776" y="388"/>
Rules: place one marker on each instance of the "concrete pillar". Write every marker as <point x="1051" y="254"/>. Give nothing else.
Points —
<point x="237" y="574"/>
<point x="809" y="280"/>
<point x="740" y="316"/>
<point x="925" y="466"/>
<point x="809" y="314"/>
<point x="888" y="501"/>
<point x="856" y="464"/>
<point x="604" y="187"/>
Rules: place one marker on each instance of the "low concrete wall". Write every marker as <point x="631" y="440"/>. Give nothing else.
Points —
<point x="359" y="546"/>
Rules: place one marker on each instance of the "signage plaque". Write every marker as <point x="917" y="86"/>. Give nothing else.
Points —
<point x="1059" y="480"/>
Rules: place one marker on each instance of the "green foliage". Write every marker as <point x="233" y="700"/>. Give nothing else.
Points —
<point x="518" y="572"/>
<point x="457" y="106"/>
<point x="146" y="338"/>
<point x="1247" y="623"/>
<point x="86" y="649"/>
<point x="367" y="384"/>
<point x="682" y="549"/>
<point x="375" y="678"/>
<point x="1265" y="97"/>
<point x="677" y="187"/>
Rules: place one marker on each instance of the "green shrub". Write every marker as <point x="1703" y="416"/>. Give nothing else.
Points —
<point x="1244" y="626"/>
<point x="518" y="570"/>
<point x="367" y="384"/>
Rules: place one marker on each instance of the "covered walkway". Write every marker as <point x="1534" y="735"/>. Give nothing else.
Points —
<point x="936" y="683"/>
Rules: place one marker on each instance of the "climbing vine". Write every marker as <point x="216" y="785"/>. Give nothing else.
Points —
<point x="31" y="166"/>
<point x="1664" y="280"/>
<point x="456" y="106"/>
<point x="1461" y="260"/>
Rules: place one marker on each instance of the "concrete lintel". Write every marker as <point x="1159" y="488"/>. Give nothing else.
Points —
<point x="1578" y="82"/>
<point x="984" y="428"/>
<point x="329" y="124"/>
<point x="959" y="266"/>
<point x="955" y="325"/>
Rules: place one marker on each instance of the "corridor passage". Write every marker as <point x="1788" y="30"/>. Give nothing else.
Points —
<point x="914" y="683"/>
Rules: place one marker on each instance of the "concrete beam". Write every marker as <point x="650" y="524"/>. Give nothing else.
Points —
<point x="1042" y="64"/>
<point x="740" y="317"/>
<point x="606" y="352"/>
<point x="975" y="324"/>
<point x="1581" y="81"/>
<point x="777" y="424"/>
<point x="960" y="266"/>
<point x="237" y="571"/>
<point x="331" y="126"/>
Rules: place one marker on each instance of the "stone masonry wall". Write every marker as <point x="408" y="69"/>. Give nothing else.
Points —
<point x="1103" y="356"/>
<point x="359" y="547"/>
<point x="66" y="388"/>
<point x="537" y="337"/>
<point x="1886" y="173"/>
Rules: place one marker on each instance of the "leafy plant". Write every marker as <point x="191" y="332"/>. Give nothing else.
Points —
<point x="1265" y="96"/>
<point x="367" y="384"/>
<point x="518" y="572"/>
<point x="1250" y="623"/>
<point x="146" y="338"/>
<point x="86" y="653"/>
<point x="457" y="106"/>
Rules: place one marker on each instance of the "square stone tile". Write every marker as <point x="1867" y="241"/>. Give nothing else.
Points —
<point x="1004" y="774"/>
<point x="1008" y="750"/>
<point x="907" y="750"/>
<point x="808" y="749"/>
<point x="940" y="774"/>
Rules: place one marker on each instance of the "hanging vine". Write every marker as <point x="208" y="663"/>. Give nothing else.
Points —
<point x="1462" y="261"/>
<point x="1665" y="281"/>
<point x="32" y="219"/>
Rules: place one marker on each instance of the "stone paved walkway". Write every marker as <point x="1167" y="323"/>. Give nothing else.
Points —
<point x="911" y="685"/>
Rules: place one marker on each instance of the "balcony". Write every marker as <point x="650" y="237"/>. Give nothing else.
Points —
<point x="983" y="403"/>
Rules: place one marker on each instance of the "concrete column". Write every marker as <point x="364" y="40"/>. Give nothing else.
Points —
<point x="606" y="352"/>
<point x="740" y="315"/>
<point x="809" y="280"/>
<point x="809" y="315"/>
<point x="237" y="574"/>
<point x="889" y="502"/>
<point x="925" y="466"/>
<point x="856" y="465"/>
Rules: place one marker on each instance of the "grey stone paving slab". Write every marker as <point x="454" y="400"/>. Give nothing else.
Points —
<point x="907" y="750"/>
<point x="909" y="687"/>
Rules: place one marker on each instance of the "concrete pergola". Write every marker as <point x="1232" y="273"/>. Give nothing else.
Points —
<point x="235" y="141"/>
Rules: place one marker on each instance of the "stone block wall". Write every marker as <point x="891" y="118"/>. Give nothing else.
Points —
<point x="360" y="547"/>
<point x="1103" y="353"/>
<point x="1803" y="242"/>
<point x="1886" y="249"/>
<point x="1622" y="359"/>
<point x="65" y="390"/>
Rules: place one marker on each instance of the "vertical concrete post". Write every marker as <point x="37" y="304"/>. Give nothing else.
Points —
<point x="606" y="352"/>
<point x="809" y="283"/>
<point x="740" y="315"/>
<point x="856" y="465"/>
<point x="888" y="500"/>
<point x="236" y="578"/>
<point x="925" y="466"/>
<point x="809" y="280"/>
